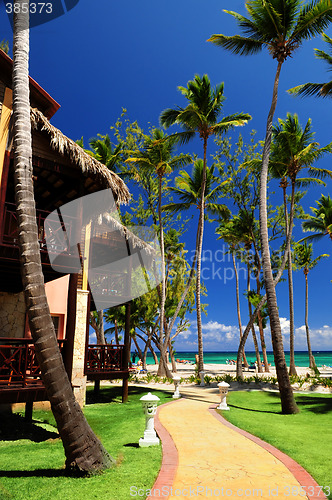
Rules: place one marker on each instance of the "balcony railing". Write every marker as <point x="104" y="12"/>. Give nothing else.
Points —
<point x="19" y="367"/>
<point x="101" y="359"/>
<point x="18" y="363"/>
<point x="9" y="233"/>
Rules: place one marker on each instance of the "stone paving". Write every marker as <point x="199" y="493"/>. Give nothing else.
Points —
<point x="206" y="457"/>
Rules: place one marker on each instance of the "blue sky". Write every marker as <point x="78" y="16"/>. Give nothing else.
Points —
<point x="105" y="55"/>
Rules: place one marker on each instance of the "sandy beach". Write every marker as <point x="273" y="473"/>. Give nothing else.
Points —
<point x="185" y="370"/>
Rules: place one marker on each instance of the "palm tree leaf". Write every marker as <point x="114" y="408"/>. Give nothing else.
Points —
<point x="237" y="44"/>
<point x="218" y="209"/>
<point x="307" y="181"/>
<point x="314" y="18"/>
<point x="176" y="207"/>
<point x="169" y="116"/>
<point x="311" y="89"/>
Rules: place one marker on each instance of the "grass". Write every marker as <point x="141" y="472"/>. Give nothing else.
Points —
<point x="32" y="457"/>
<point x="306" y="436"/>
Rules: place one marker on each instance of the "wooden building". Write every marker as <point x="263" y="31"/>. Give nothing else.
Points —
<point x="62" y="172"/>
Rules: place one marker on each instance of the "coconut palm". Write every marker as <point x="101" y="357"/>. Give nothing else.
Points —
<point x="83" y="450"/>
<point x="280" y="26"/>
<point x="200" y="117"/>
<point x="293" y="151"/>
<point x="104" y="152"/>
<point x="189" y="191"/>
<point x="321" y="221"/>
<point x="227" y="232"/>
<point x="157" y="156"/>
<point x="317" y="89"/>
<point x="303" y="260"/>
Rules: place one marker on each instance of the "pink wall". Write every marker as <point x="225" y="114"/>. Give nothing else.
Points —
<point x="57" y="294"/>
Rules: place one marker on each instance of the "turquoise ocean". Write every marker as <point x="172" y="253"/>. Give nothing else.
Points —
<point x="301" y="357"/>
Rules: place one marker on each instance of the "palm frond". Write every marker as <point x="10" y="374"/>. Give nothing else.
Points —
<point x="314" y="18"/>
<point x="237" y="44"/>
<point x="312" y="89"/>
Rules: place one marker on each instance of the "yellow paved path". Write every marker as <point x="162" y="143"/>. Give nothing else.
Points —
<point x="216" y="461"/>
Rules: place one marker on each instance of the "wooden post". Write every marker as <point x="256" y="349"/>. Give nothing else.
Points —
<point x="96" y="387"/>
<point x="70" y="325"/>
<point x="28" y="411"/>
<point x="126" y="353"/>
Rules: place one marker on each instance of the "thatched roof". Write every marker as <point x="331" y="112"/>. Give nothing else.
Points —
<point x="67" y="147"/>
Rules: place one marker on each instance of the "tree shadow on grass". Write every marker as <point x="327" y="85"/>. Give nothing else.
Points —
<point x="35" y="473"/>
<point x="14" y="427"/>
<point x="315" y="404"/>
<point x="113" y="394"/>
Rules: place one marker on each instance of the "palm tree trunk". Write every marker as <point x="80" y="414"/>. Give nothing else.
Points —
<point x="83" y="450"/>
<point x="312" y="362"/>
<point x="163" y="369"/>
<point x="116" y="331"/>
<point x="199" y="264"/>
<point x="239" y="372"/>
<point x="245" y="362"/>
<point x="261" y="329"/>
<point x="292" y="369"/>
<point x="288" y="404"/>
<point x="101" y="340"/>
<point x="258" y="357"/>
<point x="155" y="357"/>
<point x="171" y="353"/>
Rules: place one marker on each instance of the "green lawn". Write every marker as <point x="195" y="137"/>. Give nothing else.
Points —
<point x="306" y="437"/>
<point x="32" y="458"/>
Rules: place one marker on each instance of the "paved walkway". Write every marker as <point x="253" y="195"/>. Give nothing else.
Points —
<point x="206" y="457"/>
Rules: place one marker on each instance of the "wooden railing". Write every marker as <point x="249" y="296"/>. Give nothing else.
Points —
<point x="9" y="234"/>
<point x="18" y="362"/>
<point x="19" y="367"/>
<point x="101" y="359"/>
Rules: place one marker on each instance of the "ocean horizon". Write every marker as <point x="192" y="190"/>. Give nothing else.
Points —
<point x="221" y="357"/>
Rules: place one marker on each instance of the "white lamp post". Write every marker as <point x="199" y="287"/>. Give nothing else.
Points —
<point x="149" y="405"/>
<point x="223" y="389"/>
<point x="202" y="374"/>
<point x="176" y="380"/>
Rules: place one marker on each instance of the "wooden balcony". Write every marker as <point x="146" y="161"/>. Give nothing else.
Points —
<point x="105" y="362"/>
<point x="20" y="373"/>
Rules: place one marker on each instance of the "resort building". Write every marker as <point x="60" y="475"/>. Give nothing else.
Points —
<point x="62" y="172"/>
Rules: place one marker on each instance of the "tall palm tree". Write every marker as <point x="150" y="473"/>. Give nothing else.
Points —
<point x="157" y="157"/>
<point x="83" y="450"/>
<point x="200" y="116"/>
<point x="280" y="26"/>
<point x="317" y="89"/>
<point x="303" y="260"/>
<point x="227" y="232"/>
<point x="189" y="191"/>
<point x="321" y="221"/>
<point x="292" y="151"/>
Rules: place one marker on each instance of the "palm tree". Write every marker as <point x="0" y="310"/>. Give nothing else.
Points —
<point x="227" y="232"/>
<point x="292" y="151"/>
<point x="317" y="89"/>
<point x="83" y="450"/>
<point x="104" y="152"/>
<point x="321" y="221"/>
<point x="189" y="190"/>
<point x="303" y="260"/>
<point x="281" y="27"/>
<point x="158" y="157"/>
<point x="200" y="117"/>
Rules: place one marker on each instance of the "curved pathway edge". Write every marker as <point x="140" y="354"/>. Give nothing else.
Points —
<point x="170" y="458"/>
<point x="300" y="474"/>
